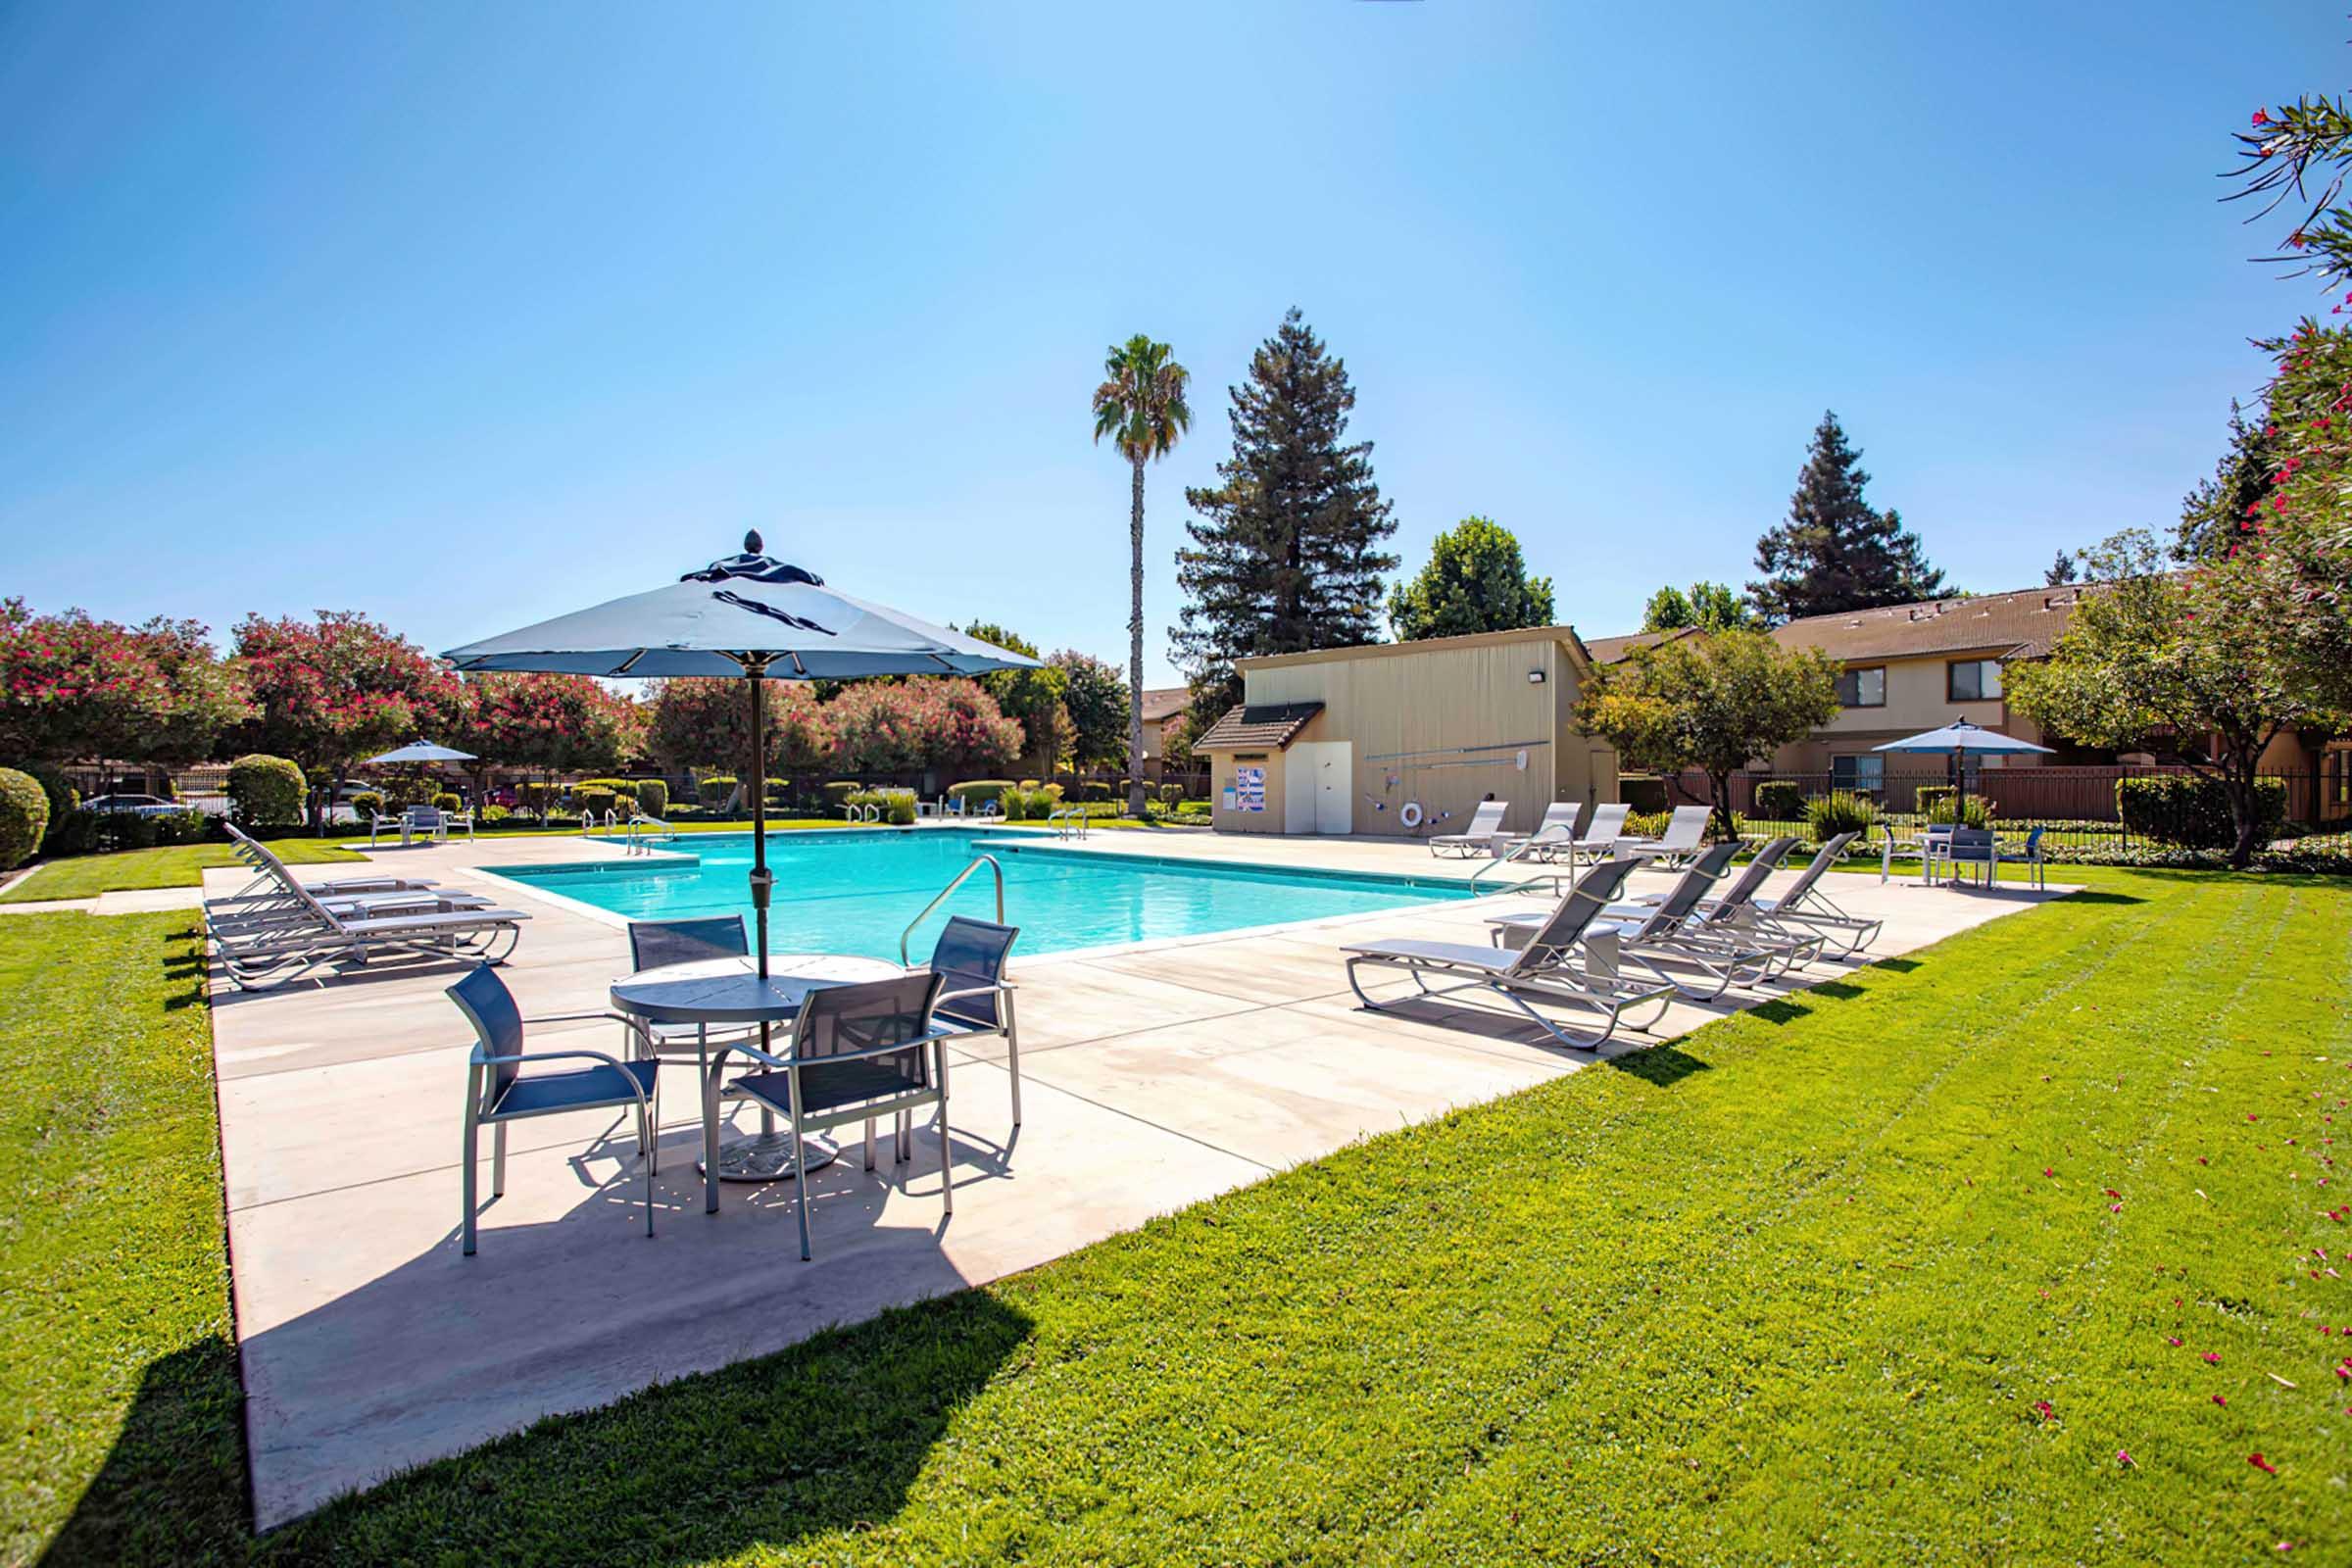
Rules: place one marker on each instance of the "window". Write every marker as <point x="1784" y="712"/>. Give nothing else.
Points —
<point x="1863" y="688"/>
<point x="1864" y="776"/>
<point x="1972" y="680"/>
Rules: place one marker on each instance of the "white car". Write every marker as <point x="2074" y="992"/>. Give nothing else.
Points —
<point x="133" y="805"/>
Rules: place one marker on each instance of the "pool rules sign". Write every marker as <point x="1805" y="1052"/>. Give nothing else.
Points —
<point x="1248" y="792"/>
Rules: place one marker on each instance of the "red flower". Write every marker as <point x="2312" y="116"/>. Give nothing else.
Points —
<point x="2261" y="1464"/>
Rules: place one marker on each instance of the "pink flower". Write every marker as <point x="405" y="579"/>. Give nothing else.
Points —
<point x="2261" y="1464"/>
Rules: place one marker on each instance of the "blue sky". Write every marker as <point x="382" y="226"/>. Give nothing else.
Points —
<point x="465" y="315"/>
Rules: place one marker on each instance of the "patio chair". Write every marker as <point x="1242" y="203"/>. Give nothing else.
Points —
<point x="1486" y="824"/>
<point x="274" y="872"/>
<point x="1972" y="846"/>
<point x="1673" y="931"/>
<point x="1569" y="959"/>
<point x="2030" y="857"/>
<point x="857" y="1052"/>
<point x="1558" y="827"/>
<point x="970" y="957"/>
<point x="658" y="944"/>
<point x="1598" y="842"/>
<point x="435" y="823"/>
<point x="284" y="952"/>
<point x="1804" y="905"/>
<point x="498" y="1091"/>
<point x="1684" y="831"/>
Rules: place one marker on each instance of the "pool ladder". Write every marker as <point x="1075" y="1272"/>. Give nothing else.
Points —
<point x="1067" y="823"/>
<point x="977" y="861"/>
<point x="655" y="831"/>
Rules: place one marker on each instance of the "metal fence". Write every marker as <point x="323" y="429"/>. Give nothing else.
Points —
<point x="2075" y="805"/>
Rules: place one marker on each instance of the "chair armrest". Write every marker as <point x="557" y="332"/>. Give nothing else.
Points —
<point x="830" y="1058"/>
<point x="614" y="1062"/>
<point x="584" y="1017"/>
<point x="1001" y="988"/>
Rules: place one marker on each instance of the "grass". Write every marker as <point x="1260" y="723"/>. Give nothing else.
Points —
<point x="179" y="865"/>
<point x="1793" y="1288"/>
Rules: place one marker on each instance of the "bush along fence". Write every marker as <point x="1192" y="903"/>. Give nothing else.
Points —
<point x="2123" y="810"/>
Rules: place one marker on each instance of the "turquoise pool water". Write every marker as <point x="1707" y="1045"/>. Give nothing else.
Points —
<point x="854" y="892"/>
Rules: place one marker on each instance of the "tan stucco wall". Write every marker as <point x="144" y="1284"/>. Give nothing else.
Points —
<point x="1220" y="779"/>
<point x="1429" y="699"/>
<point x="1914" y="702"/>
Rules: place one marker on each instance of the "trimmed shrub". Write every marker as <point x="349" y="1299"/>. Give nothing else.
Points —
<point x="1839" y="811"/>
<point x="446" y="802"/>
<point x="1976" y="811"/>
<point x="24" y="818"/>
<point x="182" y="827"/>
<point x="493" y="814"/>
<point x="1093" y="789"/>
<point x="619" y="786"/>
<point x="535" y="796"/>
<point x="973" y="791"/>
<point x="653" y="796"/>
<point x="64" y="797"/>
<point x="838" y="793"/>
<point x="2190" y="811"/>
<point x="897" y="805"/>
<point x="1780" y="800"/>
<point x="368" y="802"/>
<point x="265" y="791"/>
<point x="714" y="789"/>
<point x="593" y="800"/>
<point x="1171" y="795"/>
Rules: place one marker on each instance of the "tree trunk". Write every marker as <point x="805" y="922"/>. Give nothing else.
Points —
<point x="1721" y="784"/>
<point x="1135" y="647"/>
<point x="2242" y="809"/>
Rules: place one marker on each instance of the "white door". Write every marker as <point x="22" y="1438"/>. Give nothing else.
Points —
<point x="1335" y="789"/>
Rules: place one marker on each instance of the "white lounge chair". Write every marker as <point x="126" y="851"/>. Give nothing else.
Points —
<point x="1803" y="906"/>
<point x="274" y="872"/>
<point x="1673" y="931"/>
<point x="1486" y="826"/>
<point x="1569" y="959"/>
<point x="1558" y="827"/>
<point x="273" y="954"/>
<point x="1685" y="831"/>
<point x="1598" y="840"/>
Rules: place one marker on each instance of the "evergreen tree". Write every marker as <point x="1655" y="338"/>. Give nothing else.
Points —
<point x="1836" y="552"/>
<point x="1286" y="549"/>
<point x="2061" y="571"/>
<point x="2213" y="516"/>
<point x="1475" y="580"/>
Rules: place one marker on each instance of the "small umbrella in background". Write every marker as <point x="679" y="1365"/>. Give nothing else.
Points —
<point x="418" y="752"/>
<point x="1961" y="739"/>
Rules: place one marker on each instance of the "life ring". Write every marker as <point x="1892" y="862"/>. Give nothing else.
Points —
<point x="1410" y="815"/>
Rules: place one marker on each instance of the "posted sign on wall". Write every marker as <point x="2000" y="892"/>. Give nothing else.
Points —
<point x="1248" y="789"/>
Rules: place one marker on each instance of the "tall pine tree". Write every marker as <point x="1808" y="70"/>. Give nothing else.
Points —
<point x="1836" y="552"/>
<point x="2213" y="515"/>
<point x="1286" y="550"/>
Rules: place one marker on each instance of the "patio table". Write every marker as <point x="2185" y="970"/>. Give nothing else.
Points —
<point x="731" y="992"/>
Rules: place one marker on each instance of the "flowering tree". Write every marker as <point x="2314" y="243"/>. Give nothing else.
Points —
<point x="72" y="688"/>
<point x="2220" y="655"/>
<point x="1095" y="696"/>
<point x="543" y="722"/>
<point x="1710" y="701"/>
<point x="948" y="725"/>
<point x="706" y="723"/>
<point x="329" y="691"/>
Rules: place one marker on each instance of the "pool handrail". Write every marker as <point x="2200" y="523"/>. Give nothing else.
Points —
<point x="978" y="861"/>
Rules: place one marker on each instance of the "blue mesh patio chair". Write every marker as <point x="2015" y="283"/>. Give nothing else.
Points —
<point x="498" y="1091"/>
<point x="857" y="1052"/>
<point x="976" y="997"/>
<point x="658" y="944"/>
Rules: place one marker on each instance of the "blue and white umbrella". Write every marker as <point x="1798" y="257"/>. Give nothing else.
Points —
<point x="748" y="615"/>
<point x="418" y="752"/>
<point x="1960" y="739"/>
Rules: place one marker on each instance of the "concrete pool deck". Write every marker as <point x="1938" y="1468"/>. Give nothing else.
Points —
<point x="1153" y="1076"/>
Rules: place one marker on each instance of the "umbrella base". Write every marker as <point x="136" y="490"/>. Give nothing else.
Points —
<point x="767" y="1158"/>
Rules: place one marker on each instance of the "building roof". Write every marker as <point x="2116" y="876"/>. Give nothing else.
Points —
<point x="1269" y="727"/>
<point x="1612" y="649"/>
<point x="1163" y="703"/>
<point x="2015" y="625"/>
<point x="1420" y="645"/>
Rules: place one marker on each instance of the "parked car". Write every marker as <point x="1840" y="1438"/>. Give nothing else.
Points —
<point x="133" y="805"/>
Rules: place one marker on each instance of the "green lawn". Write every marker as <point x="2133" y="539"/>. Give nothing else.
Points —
<point x="180" y="866"/>
<point x="1793" y="1289"/>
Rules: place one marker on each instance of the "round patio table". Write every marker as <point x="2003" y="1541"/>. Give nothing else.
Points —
<point x="731" y="992"/>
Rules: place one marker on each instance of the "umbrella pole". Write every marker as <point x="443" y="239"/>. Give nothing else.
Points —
<point x="762" y="881"/>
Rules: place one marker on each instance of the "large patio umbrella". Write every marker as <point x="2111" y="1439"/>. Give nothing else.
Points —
<point x="418" y="752"/>
<point x="1958" y="740"/>
<point x="750" y="615"/>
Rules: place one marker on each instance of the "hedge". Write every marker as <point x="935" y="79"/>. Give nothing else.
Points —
<point x="714" y="789"/>
<point x="652" y="797"/>
<point x="593" y="800"/>
<point x="1780" y="800"/>
<point x="1839" y="811"/>
<point x="368" y="804"/>
<point x="265" y="791"/>
<point x="2191" y="812"/>
<point x="974" y="790"/>
<point x="24" y="818"/>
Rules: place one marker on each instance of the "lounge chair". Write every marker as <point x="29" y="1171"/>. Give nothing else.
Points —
<point x="1600" y="839"/>
<point x="1568" y="960"/>
<point x="1673" y="931"/>
<point x="283" y="950"/>
<point x="1802" y="906"/>
<point x="1486" y="825"/>
<point x="497" y="1092"/>
<point x="857" y="1052"/>
<point x="1558" y="827"/>
<point x="1685" y="831"/>
<point x="274" y="873"/>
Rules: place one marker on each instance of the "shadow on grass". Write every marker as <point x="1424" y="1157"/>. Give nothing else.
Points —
<point x="172" y="1488"/>
<point x="1663" y="1066"/>
<point x="2090" y="895"/>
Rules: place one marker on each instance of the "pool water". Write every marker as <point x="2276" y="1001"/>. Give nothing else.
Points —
<point x="855" y="891"/>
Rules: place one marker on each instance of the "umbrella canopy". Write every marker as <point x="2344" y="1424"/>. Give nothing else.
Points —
<point x="419" y="752"/>
<point x="746" y="614"/>
<point x="1957" y="738"/>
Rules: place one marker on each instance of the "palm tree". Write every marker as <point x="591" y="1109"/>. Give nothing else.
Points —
<point x="1141" y="406"/>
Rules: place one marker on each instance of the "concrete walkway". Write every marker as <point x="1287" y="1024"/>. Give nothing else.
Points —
<point x="1153" y="1077"/>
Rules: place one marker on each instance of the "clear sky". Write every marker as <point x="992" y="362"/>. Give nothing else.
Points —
<point x="462" y="315"/>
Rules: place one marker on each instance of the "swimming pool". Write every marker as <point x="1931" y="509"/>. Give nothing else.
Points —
<point x="855" y="891"/>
